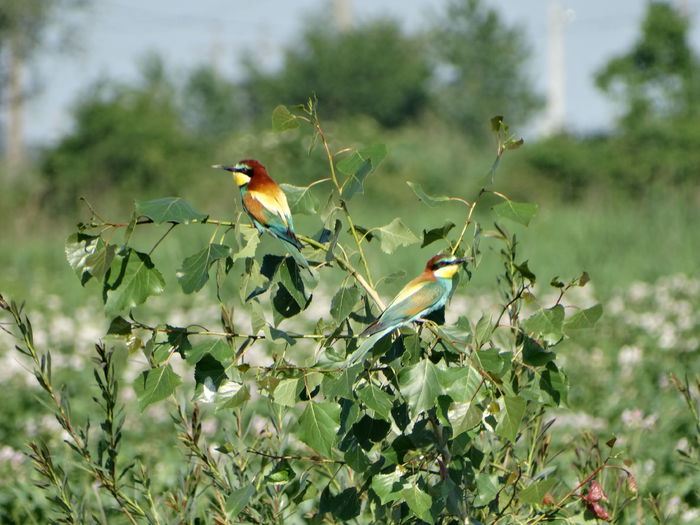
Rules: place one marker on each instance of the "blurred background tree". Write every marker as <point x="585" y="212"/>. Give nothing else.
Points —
<point x="372" y="69"/>
<point x="25" y="27"/>
<point x="481" y="66"/>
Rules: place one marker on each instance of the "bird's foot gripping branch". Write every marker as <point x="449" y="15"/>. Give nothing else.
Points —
<point x="370" y="412"/>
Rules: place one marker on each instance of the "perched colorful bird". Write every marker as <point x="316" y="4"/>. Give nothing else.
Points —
<point x="424" y="294"/>
<point x="266" y="204"/>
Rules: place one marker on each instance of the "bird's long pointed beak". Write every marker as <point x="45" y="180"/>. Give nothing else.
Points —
<point x="222" y="167"/>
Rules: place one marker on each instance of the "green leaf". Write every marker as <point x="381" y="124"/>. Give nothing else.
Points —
<point x="510" y="417"/>
<point x="119" y="326"/>
<point x="420" y="385"/>
<point x="583" y="320"/>
<point x="377" y="400"/>
<point x="343" y="384"/>
<point x="195" y="269"/>
<point x="290" y="277"/>
<point x="346" y="505"/>
<point x="464" y="416"/>
<point x="238" y="499"/>
<point x="534" y="354"/>
<point x="88" y="255"/>
<point x="419" y="502"/>
<point x="283" y="119"/>
<point x="534" y="494"/>
<point x="395" y="234"/>
<point x="344" y="302"/>
<point x="358" y="166"/>
<point x="547" y="322"/>
<point x="436" y="234"/>
<point x="251" y="239"/>
<point x="486" y="489"/>
<point x="217" y="348"/>
<point x="286" y="392"/>
<point x="209" y="368"/>
<point x="520" y="212"/>
<point x="430" y="200"/>
<point x="300" y="200"/>
<point x="169" y="209"/>
<point x="319" y="425"/>
<point x="356" y="458"/>
<point x="155" y="385"/>
<point x="461" y="383"/>
<point x="554" y="386"/>
<point x="132" y="278"/>
<point x="388" y="486"/>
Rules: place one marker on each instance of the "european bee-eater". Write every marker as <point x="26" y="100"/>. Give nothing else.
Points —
<point x="424" y="294"/>
<point x="266" y="204"/>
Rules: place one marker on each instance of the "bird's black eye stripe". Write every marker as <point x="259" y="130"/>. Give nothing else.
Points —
<point x="441" y="264"/>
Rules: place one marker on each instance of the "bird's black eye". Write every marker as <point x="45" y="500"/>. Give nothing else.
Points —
<point x="246" y="170"/>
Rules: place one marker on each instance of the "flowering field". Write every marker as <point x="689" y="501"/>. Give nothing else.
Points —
<point x="625" y="381"/>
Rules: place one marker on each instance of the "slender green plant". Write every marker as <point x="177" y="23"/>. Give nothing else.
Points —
<point x="438" y="423"/>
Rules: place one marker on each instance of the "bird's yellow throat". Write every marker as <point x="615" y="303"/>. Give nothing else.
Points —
<point x="241" y="178"/>
<point x="446" y="272"/>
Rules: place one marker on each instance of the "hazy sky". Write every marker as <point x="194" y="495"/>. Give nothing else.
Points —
<point x="116" y="33"/>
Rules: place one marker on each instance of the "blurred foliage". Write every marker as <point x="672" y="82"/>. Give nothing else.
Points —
<point x="125" y="138"/>
<point x="481" y="68"/>
<point x="658" y="77"/>
<point x="372" y="70"/>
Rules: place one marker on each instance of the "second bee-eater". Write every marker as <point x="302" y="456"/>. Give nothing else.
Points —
<point x="421" y="296"/>
<point x="266" y="204"/>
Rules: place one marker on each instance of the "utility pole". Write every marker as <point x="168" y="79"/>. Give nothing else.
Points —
<point x="556" y="93"/>
<point x="682" y="7"/>
<point x="14" y="139"/>
<point x="342" y="12"/>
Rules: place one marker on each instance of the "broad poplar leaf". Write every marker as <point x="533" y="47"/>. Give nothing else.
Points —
<point x="464" y="416"/>
<point x="520" y="212"/>
<point x="395" y="234"/>
<point x="155" y="385"/>
<point x="285" y="393"/>
<point x="420" y="385"/>
<point x="546" y="322"/>
<point x="356" y="458"/>
<point x="341" y="385"/>
<point x="89" y="255"/>
<point x="487" y="486"/>
<point x="430" y="200"/>
<point x="344" y="302"/>
<point x="535" y="493"/>
<point x="283" y="119"/>
<point x="290" y="277"/>
<point x="195" y="269"/>
<point x="510" y="417"/>
<point x="378" y="400"/>
<point x="388" y="486"/>
<point x="346" y="505"/>
<point x="419" y="502"/>
<point x="583" y="320"/>
<point x="436" y="234"/>
<point x="461" y="383"/>
<point x="217" y="348"/>
<point x="319" y="425"/>
<point x="131" y="280"/>
<point x="300" y="200"/>
<point x="209" y="368"/>
<point x="358" y="166"/>
<point x="169" y="209"/>
<point x="251" y="238"/>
